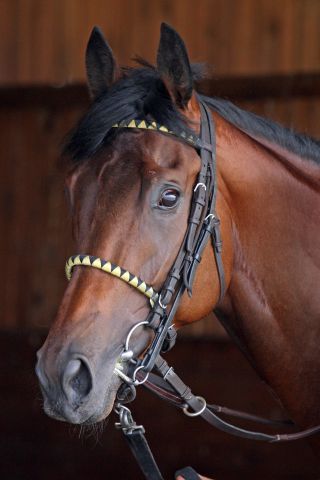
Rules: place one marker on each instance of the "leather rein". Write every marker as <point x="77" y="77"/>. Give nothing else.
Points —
<point x="203" y="224"/>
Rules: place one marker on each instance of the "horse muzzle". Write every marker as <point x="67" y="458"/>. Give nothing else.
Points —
<point x="71" y="393"/>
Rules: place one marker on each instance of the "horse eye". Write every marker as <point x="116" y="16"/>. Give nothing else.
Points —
<point x="169" y="198"/>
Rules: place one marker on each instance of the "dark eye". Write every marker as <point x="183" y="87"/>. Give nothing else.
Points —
<point x="169" y="198"/>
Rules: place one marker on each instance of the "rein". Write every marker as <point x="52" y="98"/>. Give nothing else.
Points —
<point x="203" y="224"/>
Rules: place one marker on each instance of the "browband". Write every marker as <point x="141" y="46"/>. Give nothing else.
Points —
<point x="188" y="137"/>
<point x="112" y="269"/>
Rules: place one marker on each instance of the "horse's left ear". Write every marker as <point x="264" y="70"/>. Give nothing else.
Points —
<point x="174" y="66"/>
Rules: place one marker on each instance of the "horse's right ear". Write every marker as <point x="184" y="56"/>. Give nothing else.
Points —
<point x="101" y="65"/>
<point x="174" y="66"/>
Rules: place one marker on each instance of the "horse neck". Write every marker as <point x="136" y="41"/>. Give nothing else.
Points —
<point x="272" y="307"/>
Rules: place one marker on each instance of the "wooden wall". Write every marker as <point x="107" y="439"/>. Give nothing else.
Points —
<point x="35" y="231"/>
<point x="44" y="41"/>
<point x="35" y="236"/>
<point x="42" y="44"/>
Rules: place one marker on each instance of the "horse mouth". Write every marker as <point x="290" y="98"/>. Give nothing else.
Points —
<point x="95" y="408"/>
<point x="87" y="415"/>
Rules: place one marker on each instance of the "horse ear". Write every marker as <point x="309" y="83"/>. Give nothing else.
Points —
<point x="174" y="66"/>
<point x="101" y="65"/>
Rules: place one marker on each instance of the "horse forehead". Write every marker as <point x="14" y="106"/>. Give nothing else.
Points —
<point x="133" y="156"/>
<point x="149" y="147"/>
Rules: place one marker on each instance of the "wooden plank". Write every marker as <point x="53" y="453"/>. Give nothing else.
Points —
<point x="234" y="88"/>
<point x="259" y="87"/>
<point x="36" y="236"/>
<point x="44" y="42"/>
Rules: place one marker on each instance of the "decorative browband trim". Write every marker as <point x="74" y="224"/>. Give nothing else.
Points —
<point x="144" y="125"/>
<point x="112" y="269"/>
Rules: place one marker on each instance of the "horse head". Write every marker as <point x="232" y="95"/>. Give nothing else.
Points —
<point x="130" y="192"/>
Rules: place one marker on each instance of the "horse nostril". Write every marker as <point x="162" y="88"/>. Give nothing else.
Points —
<point x="77" y="380"/>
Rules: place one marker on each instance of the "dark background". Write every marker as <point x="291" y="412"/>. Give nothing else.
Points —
<point x="265" y="56"/>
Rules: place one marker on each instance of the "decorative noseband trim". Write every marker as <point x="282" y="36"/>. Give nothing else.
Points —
<point x="112" y="269"/>
<point x="187" y="137"/>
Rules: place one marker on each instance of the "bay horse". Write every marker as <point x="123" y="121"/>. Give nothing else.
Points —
<point x="131" y="185"/>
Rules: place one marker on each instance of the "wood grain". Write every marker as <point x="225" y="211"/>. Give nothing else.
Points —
<point x="34" y="222"/>
<point x="43" y="42"/>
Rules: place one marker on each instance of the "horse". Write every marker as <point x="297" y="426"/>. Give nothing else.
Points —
<point x="133" y="169"/>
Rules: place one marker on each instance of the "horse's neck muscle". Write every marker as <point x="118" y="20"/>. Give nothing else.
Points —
<point x="273" y="303"/>
<point x="304" y="170"/>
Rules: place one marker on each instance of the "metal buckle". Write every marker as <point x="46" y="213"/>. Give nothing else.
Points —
<point x="211" y="215"/>
<point x="200" y="185"/>
<point x="161" y="304"/>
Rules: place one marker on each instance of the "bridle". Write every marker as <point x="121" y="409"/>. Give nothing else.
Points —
<point x="203" y="224"/>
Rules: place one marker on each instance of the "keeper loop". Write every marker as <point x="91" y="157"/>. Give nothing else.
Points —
<point x="200" y="185"/>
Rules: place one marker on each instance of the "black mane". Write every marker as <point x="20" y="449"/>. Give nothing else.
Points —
<point x="298" y="143"/>
<point x="141" y="94"/>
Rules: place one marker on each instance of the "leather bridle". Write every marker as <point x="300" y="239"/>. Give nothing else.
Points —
<point x="203" y="224"/>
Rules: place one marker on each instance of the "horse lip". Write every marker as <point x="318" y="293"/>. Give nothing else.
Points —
<point x="87" y="413"/>
<point x="67" y="414"/>
<point x="53" y="413"/>
<point x="78" y="417"/>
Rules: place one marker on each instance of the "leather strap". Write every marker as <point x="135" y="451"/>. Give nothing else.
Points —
<point x="134" y="435"/>
<point x="162" y="389"/>
<point x="199" y="407"/>
<point x="209" y="135"/>
<point x="143" y="455"/>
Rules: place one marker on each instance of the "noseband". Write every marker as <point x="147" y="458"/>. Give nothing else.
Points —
<point x="112" y="269"/>
<point x="203" y="223"/>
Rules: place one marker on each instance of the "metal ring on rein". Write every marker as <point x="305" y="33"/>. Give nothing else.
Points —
<point x="126" y="347"/>
<point x="139" y="382"/>
<point x="127" y="355"/>
<point x="195" y="414"/>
